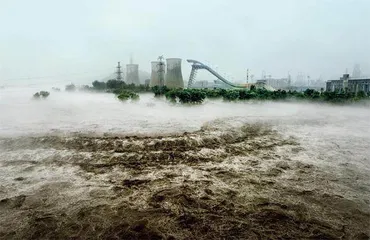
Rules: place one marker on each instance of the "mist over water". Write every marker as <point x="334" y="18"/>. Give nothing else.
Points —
<point x="102" y="112"/>
<point x="334" y="139"/>
<point x="317" y="126"/>
<point x="84" y="165"/>
<point x="323" y="127"/>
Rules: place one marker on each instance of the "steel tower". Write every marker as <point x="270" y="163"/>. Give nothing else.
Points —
<point x="119" y="72"/>
<point x="161" y="71"/>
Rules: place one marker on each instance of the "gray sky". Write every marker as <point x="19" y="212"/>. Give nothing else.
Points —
<point x="84" y="39"/>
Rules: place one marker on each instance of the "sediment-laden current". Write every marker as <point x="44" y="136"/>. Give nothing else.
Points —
<point x="86" y="166"/>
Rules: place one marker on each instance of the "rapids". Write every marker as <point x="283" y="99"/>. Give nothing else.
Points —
<point x="74" y="163"/>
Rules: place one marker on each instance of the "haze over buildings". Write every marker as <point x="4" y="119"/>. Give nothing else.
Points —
<point x="48" y="38"/>
<point x="132" y="74"/>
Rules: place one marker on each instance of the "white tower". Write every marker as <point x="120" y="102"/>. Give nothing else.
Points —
<point x="173" y="77"/>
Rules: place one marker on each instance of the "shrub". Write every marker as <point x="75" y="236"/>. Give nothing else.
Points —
<point x="194" y="96"/>
<point x="197" y="96"/>
<point x="184" y="96"/>
<point x="171" y="95"/>
<point x="214" y="93"/>
<point x="158" y="91"/>
<point x="36" y="95"/>
<point x="71" y="87"/>
<point x="231" y="95"/>
<point x="99" y="85"/>
<point x="126" y="95"/>
<point x="43" y="94"/>
<point x="361" y="94"/>
<point x="86" y="88"/>
<point x="246" y="95"/>
<point x="115" y="84"/>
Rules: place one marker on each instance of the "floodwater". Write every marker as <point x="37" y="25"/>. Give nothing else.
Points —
<point x="86" y="165"/>
<point x="102" y="113"/>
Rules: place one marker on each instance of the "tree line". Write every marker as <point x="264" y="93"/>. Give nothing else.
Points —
<point x="197" y="96"/>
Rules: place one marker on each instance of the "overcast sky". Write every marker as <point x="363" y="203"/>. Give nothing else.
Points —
<point x="83" y="39"/>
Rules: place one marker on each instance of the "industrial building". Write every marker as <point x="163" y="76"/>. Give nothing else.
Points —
<point x="154" y="76"/>
<point x="173" y="77"/>
<point x="348" y="83"/>
<point x="280" y="83"/>
<point x="157" y="75"/>
<point x="132" y="74"/>
<point x="209" y="84"/>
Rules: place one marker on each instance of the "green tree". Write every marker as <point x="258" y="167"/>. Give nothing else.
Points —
<point x="99" y="85"/>
<point x="36" y="95"/>
<point x="126" y="95"/>
<point x="44" y="94"/>
<point x="158" y="91"/>
<point x="115" y="84"/>
<point x="231" y="95"/>
<point x="71" y="87"/>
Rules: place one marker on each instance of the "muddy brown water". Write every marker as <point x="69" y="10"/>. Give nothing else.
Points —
<point x="73" y="169"/>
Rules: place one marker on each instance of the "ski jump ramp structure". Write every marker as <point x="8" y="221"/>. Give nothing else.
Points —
<point x="196" y="65"/>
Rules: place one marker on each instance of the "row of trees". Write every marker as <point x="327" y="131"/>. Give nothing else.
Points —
<point x="112" y="85"/>
<point x="198" y="95"/>
<point x="158" y="91"/>
<point x="122" y="90"/>
<point x="41" y="94"/>
<point x="194" y="96"/>
<point x="115" y="86"/>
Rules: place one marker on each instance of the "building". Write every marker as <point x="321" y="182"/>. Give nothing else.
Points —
<point x="348" y="83"/>
<point x="202" y="84"/>
<point x="173" y="77"/>
<point x="154" y="77"/>
<point x="210" y="84"/>
<point x="281" y="83"/>
<point x="157" y="75"/>
<point x="132" y="74"/>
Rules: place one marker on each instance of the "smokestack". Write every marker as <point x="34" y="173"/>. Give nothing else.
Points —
<point x="173" y="77"/>
<point x="132" y="74"/>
